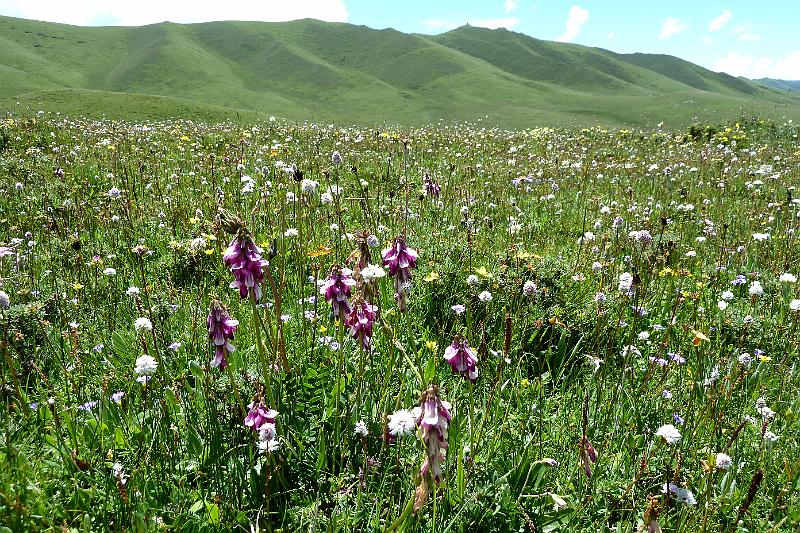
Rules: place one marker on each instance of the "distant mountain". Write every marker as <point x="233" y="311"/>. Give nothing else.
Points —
<point x="314" y="70"/>
<point x="783" y="85"/>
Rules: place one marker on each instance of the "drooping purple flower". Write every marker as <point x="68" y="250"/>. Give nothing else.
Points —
<point x="337" y="289"/>
<point x="462" y="359"/>
<point x="588" y="456"/>
<point x="244" y="259"/>
<point x="259" y="415"/>
<point x="400" y="259"/>
<point x="431" y="187"/>
<point x="360" y="321"/>
<point x="433" y="420"/>
<point x="221" y="328"/>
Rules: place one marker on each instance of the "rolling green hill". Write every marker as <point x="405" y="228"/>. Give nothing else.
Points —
<point x="312" y="70"/>
<point x="784" y="85"/>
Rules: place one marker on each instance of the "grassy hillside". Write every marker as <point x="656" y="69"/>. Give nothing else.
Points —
<point x="339" y="72"/>
<point x="783" y="85"/>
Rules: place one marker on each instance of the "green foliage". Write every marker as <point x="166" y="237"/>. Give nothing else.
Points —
<point x="523" y="256"/>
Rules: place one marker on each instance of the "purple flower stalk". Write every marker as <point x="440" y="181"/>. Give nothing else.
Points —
<point x="462" y="359"/>
<point x="588" y="456"/>
<point x="431" y="187"/>
<point x="221" y="328"/>
<point x="433" y="421"/>
<point x="400" y="259"/>
<point x="337" y="289"/>
<point x="360" y="321"/>
<point x="244" y="259"/>
<point x="259" y="415"/>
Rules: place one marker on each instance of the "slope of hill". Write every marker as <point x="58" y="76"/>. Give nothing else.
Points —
<point x="783" y="85"/>
<point x="314" y="70"/>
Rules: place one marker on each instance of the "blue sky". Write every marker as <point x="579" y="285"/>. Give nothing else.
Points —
<point x="747" y="38"/>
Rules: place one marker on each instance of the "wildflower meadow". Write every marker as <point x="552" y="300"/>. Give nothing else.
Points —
<point x="309" y="327"/>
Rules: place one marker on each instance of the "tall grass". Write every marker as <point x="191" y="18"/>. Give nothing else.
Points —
<point x="610" y="283"/>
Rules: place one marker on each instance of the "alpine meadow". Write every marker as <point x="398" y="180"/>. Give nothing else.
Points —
<point x="314" y="276"/>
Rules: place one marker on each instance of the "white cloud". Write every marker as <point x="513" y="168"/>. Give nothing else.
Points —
<point x="672" y="26"/>
<point x="744" y="32"/>
<point x="576" y="18"/>
<point x="510" y="5"/>
<point x="707" y="40"/>
<point x="449" y="24"/>
<point x="138" y="12"/>
<point x="786" y="68"/>
<point x="743" y="65"/>
<point x="717" y="23"/>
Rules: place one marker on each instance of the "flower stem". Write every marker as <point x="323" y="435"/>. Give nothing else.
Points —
<point x="262" y="351"/>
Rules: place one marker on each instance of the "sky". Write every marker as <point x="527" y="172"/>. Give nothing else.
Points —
<point x="741" y="37"/>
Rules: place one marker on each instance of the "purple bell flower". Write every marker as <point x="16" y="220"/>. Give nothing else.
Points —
<point x="221" y="328"/>
<point x="259" y="415"/>
<point x="244" y="259"/>
<point x="433" y="420"/>
<point x="400" y="259"/>
<point x="462" y="359"/>
<point x="337" y="289"/>
<point x="360" y="321"/>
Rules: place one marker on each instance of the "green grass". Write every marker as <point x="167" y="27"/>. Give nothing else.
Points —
<point x="90" y="209"/>
<point x="312" y="70"/>
<point x="105" y="104"/>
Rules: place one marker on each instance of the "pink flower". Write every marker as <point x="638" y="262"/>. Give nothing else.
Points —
<point x="221" y="328"/>
<point x="337" y="289"/>
<point x="360" y="321"/>
<point x="462" y="359"/>
<point x="246" y="264"/>
<point x="400" y="259"/>
<point x="433" y="420"/>
<point x="259" y="415"/>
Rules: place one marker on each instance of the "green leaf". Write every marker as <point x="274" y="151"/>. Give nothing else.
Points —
<point x="119" y="438"/>
<point x="430" y="368"/>
<point x="123" y="346"/>
<point x="213" y="513"/>
<point x="169" y="395"/>
<point x="196" y="369"/>
<point x="194" y="443"/>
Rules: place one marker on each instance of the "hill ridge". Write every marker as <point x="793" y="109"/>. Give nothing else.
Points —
<point x="338" y="71"/>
